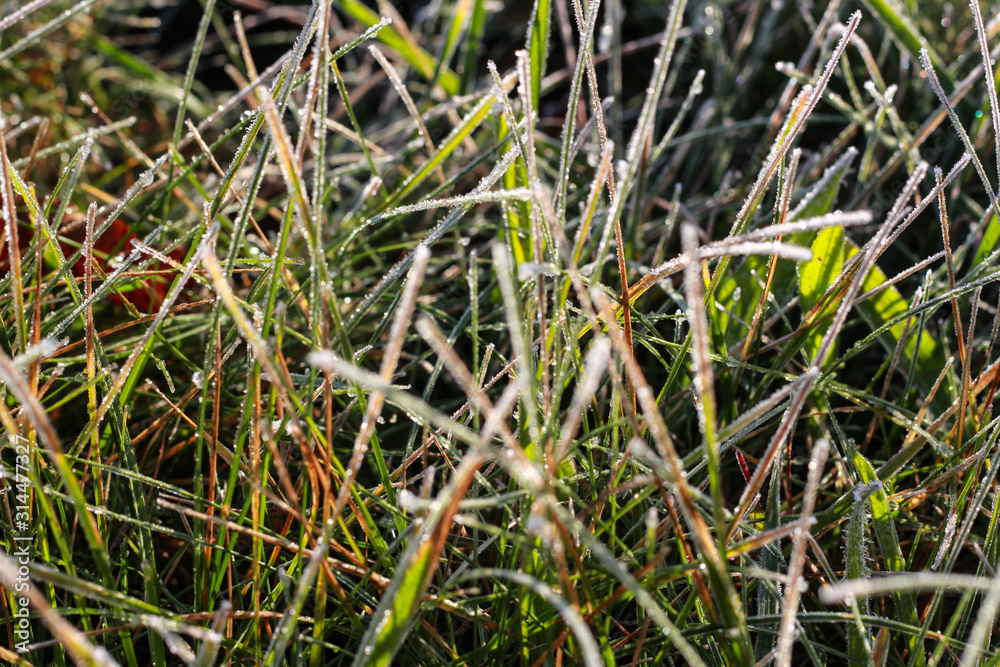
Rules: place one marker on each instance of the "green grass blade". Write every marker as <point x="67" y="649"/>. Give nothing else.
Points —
<point x="391" y="37"/>
<point x="817" y="275"/>
<point x="884" y="527"/>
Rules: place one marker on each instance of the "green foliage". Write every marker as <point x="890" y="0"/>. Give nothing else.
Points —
<point x="817" y="276"/>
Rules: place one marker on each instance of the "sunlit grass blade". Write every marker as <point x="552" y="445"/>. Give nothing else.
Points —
<point x="416" y="56"/>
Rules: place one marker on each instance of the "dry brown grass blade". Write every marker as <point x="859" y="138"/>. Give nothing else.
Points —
<point x="949" y="262"/>
<point x="784" y="201"/>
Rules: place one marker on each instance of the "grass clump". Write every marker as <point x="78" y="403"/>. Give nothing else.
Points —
<point x="539" y="333"/>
